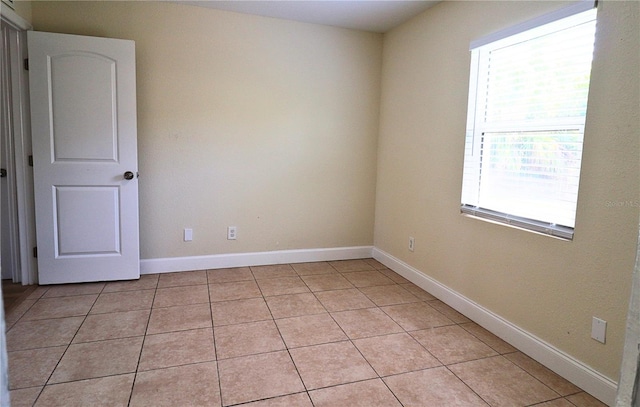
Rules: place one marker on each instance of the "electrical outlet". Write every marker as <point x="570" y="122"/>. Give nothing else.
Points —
<point x="599" y="329"/>
<point x="231" y="233"/>
<point x="412" y="244"/>
<point x="188" y="235"/>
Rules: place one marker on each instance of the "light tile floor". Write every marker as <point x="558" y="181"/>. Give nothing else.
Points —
<point x="344" y="333"/>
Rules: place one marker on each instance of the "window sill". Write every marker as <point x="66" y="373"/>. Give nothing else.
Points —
<point x="488" y="216"/>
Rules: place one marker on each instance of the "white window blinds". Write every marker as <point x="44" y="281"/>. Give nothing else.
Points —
<point x="525" y="124"/>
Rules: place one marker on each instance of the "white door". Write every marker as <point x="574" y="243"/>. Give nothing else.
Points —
<point x="83" y="118"/>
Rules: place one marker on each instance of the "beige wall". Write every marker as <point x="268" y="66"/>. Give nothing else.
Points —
<point x="548" y="287"/>
<point x="264" y="124"/>
<point x="22" y="8"/>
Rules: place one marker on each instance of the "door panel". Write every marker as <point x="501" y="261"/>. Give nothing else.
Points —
<point x="84" y="139"/>
<point x="72" y="77"/>
<point x="79" y="231"/>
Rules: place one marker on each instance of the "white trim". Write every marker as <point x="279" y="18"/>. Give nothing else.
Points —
<point x="566" y="366"/>
<point x="575" y="8"/>
<point x="216" y="261"/>
<point x="21" y="142"/>
<point x="631" y="353"/>
<point x="12" y="17"/>
<point x="24" y="172"/>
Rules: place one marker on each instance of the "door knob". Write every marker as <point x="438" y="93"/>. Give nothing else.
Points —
<point x="128" y="175"/>
<point x="3" y="173"/>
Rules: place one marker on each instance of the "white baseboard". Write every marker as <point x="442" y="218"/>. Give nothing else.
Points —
<point x="217" y="261"/>
<point x="566" y="366"/>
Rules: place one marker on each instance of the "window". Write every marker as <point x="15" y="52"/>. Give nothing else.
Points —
<point x="525" y="121"/>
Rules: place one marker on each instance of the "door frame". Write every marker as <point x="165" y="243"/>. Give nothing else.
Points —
<point x="22" y="147"/>
<point x="629" y="382"/>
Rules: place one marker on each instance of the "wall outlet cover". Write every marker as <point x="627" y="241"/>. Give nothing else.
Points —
<point x="599" y="329"/>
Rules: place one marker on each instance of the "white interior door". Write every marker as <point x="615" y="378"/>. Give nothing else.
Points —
<point x="83" y="118"/>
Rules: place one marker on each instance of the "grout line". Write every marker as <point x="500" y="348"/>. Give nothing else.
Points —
<point x="466" y="385"/>
<point x="46" y="383"/>
<point x="144" y="339"/>
<point x="462" y="324"/>
<point x="215" y="349"/>
<point x="293" y="362"/>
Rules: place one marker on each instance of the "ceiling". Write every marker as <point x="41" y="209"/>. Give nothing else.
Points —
<point x="367" y="15"/>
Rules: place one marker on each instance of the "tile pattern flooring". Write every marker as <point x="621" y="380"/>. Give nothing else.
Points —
<point x="344" y="333"/>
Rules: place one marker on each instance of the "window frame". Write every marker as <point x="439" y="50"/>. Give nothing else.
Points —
<point x="478" y="76"/>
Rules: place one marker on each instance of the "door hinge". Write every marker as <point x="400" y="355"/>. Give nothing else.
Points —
<point x="30" y="161"/>
<point x="35" y="252"/>
<point x="26" y="64"/>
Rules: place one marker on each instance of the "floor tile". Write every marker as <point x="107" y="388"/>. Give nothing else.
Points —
<point x="418" y="292"/>
<point x="112" y="326"/>
<point x="315" y="268"/>
<point x="416" y="316"/>
<point x="396" y="353"/>
<point x="189" y="385"/>
<point x="388" y="295"/>
<point x="583" y="399"/>
<point x="433" y="387"/>
<point x="123" y="301"/>
<point x="188" y="295"/>
<point x="397" y="278"/>
<point x="183" y="278"/>
<point x="228" y="275"/>
<point x="273" y="271"/>
<point x="179" y="318"/>
<point x="292" y="400"/>
<point x="105" y="391"/>
<point x="326" y="282"/>
<point x="452" y="344"/>
<point x="292" y="305"/>
<point x="29" y="368"/>
<point x="374" y="263"/>
<point x="556" y="403"/>
<point x="487" y="337"/>
<point x="502" y="383"/>
<point x="367" y="278"/>
<point x="546" y="376"/>
<point x="256" y="377"/>
<point x="66" y="290"/>
<point x="366" y="322"/>
<point x="38" y="292"/>
<point x="309" y="330"/>
<point x="331" y="364"/>
<point x="369" y="393"/>
<point x="24" y="397"/>
<point x="237" y="290"/>
<point x="42" y="333"/>
<point x="342" y="340"/>
<point x="60" y="307"/>
<point x="449" y="312"/>
<point x="98" y="359"/>
<point x="282" y="285"/>
<point x="344" y="300"/>
<point x="236" y="312"/>
<point x="17" y="312"/>
<point x="177" y="348"/>
<point x="247" y="339"/>
<point x="145" y="282"/>
<point x="344" y="266"/>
